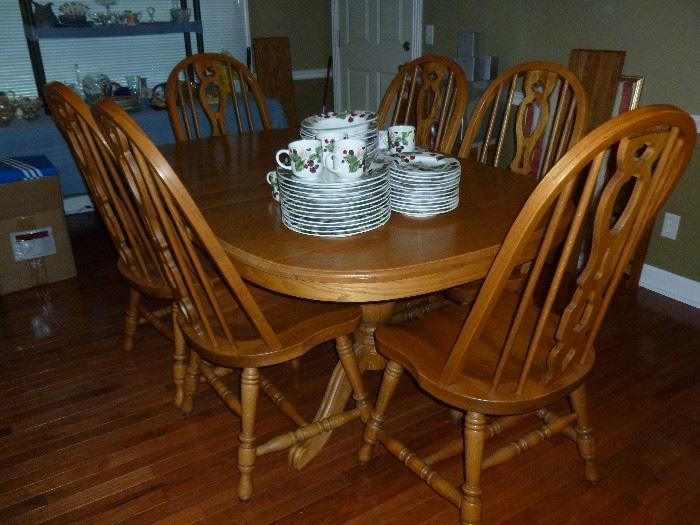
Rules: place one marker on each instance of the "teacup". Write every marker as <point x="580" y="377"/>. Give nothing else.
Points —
<point x="272" y="181"/>
<point x="383" y="139"/>
<point x="348" y="158"/>
<point x="304" y="157"/>
<point x="328" y="140"/>
<point x="401" y="139"/>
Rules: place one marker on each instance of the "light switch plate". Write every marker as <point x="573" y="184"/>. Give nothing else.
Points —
<point x="429" y="35"/>
<point x="669" y="229"/>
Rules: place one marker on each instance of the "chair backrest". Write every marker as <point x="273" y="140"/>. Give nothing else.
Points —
<point x="551" y="327"/>
<point x="190" y="254"/>
<point x="92" y="155"/>
<point x="431" y="93"/>
<point x="208" y="92"/>
<point x="551" y="116"/>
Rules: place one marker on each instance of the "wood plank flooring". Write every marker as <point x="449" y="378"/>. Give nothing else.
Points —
<point x="89" y="434"/>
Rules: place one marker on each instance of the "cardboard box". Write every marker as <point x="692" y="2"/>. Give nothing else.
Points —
<point x="34" y="245"/>
<point x="469" y="44"/>
<point x="468" y="65"/>
<point x="486" y="67"/>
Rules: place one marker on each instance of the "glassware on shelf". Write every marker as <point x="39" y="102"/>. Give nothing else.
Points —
<point x="30" y="107"/>
<point x="107" y="4"/>
<point x="95" y="87"/>
<point x="7" y="108"/>
<point x="178" y="14"/>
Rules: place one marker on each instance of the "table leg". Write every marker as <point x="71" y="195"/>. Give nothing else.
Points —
<point x="338" y="390"/>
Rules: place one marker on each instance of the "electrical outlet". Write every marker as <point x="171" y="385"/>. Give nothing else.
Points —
<point x="429" y="35"/>
<point x="669" y="229"/>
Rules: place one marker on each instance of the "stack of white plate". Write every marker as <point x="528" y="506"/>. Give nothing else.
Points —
<point x="332" y="206"/>
<point x="424" y="183"/>
<point x="358" y="124"/>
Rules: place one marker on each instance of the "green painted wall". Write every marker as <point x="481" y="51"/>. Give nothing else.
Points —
<point x="662" y="41"/>
<point x="307" y="23"/>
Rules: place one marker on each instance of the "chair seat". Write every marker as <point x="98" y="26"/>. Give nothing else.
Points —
<point x="156" y="288"/>
<point x="424" y="345"/>
<point x="299" y="325"/>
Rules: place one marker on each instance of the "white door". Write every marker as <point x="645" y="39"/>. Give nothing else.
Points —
<point x="371" y="39"/>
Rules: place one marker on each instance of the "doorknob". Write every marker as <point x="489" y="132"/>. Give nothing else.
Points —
<point x="407" y="46"/>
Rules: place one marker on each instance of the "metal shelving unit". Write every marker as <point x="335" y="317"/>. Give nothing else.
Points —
<point x="35" y="34"/>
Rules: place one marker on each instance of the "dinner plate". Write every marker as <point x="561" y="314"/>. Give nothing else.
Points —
<point x="329" y="226"/>
<point x="423" y="180"/>
<point x="424" y="198"/>
<point x="334" y="194"/>
<point x="346" y="190"/>
<point x="368" y="133"/>
<point x="335" y="206"/>
<point x="420" y="211"/>
<point x="356" y="119"/>
<point x="335" y="224"/>
<point x="346" y="209"/>
<point x="424" y="163"/>
<point x="423" y="183"/>
<point x="335" y="231"/>
<point x="329" y="205"/>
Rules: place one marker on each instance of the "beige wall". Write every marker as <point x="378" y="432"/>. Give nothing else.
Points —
<point x="307" y="23"/>
<point x="662" y="41"/>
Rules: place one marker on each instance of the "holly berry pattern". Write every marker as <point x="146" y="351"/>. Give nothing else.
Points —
<point x="306" y="159"/>
<point x="399" y="141"/>
<point x="355" y="161"/>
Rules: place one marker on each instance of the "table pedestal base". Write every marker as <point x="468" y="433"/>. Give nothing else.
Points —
<point x="339" y="390"/>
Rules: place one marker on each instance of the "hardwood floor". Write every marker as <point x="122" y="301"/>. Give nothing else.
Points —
<point x="89" y="434"/>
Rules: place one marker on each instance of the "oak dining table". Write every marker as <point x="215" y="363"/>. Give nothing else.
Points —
<point x="405" y="258"/>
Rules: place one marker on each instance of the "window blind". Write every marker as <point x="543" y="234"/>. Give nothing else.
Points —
<point x="225" y="26"/>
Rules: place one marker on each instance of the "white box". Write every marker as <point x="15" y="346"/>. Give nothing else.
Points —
<point x="486" y="67"/>
<point x="468" y="65"/>
<point x="469" y="44"/>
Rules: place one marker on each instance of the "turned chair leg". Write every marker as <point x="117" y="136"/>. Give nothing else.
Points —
<point x="474" y="437"/>
<point x="132" y="319"/>
<point x="584" y="432"/>
<point x="179" y="360"/>
<point x="250" y="387"/>
<point x="346" y="354"/>
<point x="390" y="381"/>
<point x="191" y="384"/>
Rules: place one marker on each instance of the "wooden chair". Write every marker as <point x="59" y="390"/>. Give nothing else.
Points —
<point x="551" y="116"/>
<point x="512" y="355"/>
<point x="137" y="261"/>
<point x="431" y="93"/>
<point x="216" y="88"/>
<point x="225" y="321"/>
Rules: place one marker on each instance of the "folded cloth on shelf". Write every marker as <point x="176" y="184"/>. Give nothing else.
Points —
<point x="25" y="168"/>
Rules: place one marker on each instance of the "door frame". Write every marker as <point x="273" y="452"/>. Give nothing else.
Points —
<point x="416" y="46"/>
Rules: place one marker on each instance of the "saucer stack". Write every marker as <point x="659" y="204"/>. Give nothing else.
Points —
<point x="356" y="124"/>
<point x="332" y="206"/>
<point x="423" y="183"/>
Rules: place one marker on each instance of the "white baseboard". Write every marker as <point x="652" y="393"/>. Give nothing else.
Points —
<point x="308" y="74"/>
<point x="671" y="285"/>
<point x="77" y="204"/>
